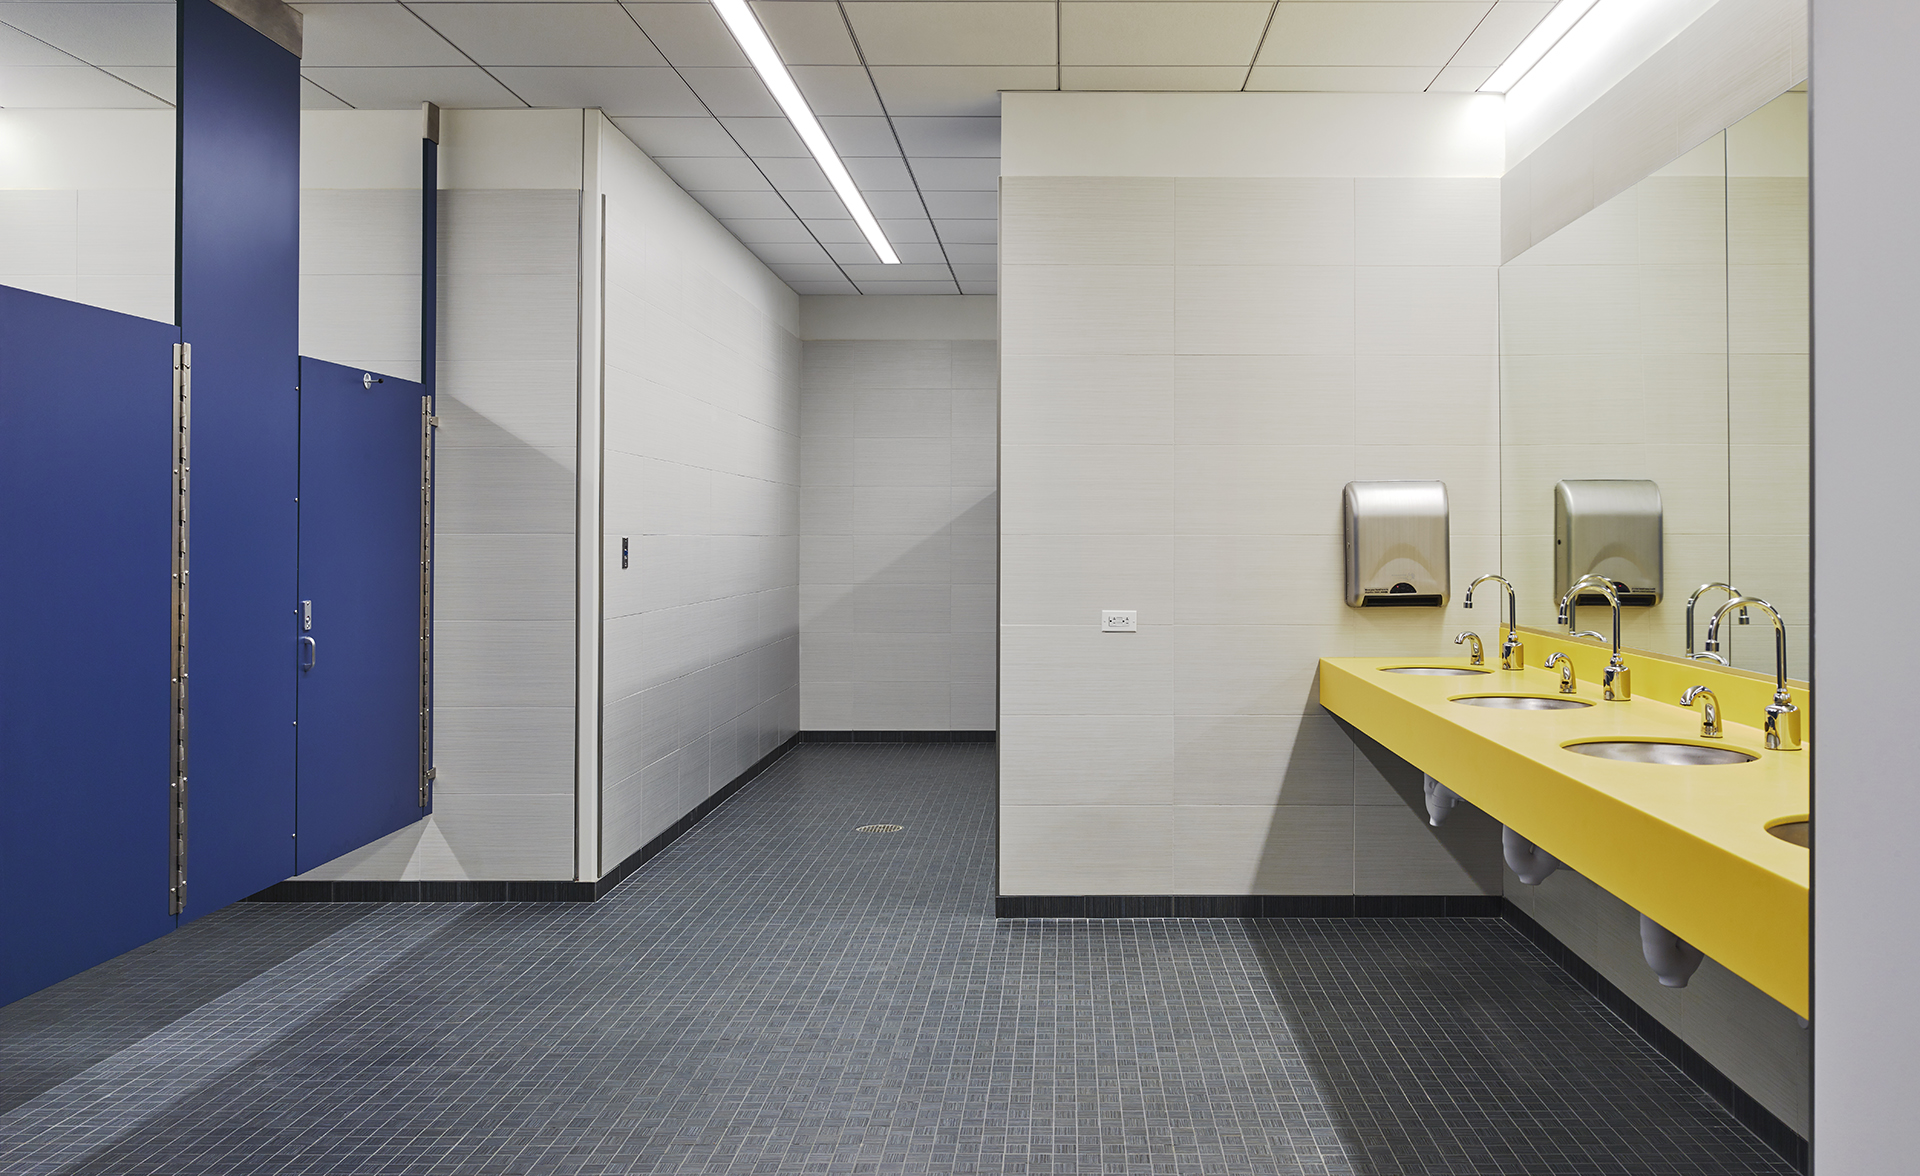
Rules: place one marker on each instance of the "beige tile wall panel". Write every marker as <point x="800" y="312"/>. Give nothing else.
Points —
<point x="1207" y="480"/>
<point x="1086" y="849"/>
<point x="1396" y="851"/>
<point x="701" y="477"/>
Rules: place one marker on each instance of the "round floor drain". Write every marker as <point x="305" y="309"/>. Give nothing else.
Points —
<point x="880" y="829"/>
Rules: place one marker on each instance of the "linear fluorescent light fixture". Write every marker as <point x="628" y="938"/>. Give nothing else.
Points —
<point x="746" y="29"/>
<point x="1539" y="42"/>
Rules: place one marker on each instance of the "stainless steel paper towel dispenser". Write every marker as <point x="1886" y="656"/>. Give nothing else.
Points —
<point x="1397" y="544"/>
<point x="1608" y="527"/>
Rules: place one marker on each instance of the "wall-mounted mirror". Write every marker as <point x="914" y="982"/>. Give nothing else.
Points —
<point x="1663" y="336"/>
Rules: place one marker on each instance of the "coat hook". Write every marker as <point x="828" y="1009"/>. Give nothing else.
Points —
<point x="368" y="380"/>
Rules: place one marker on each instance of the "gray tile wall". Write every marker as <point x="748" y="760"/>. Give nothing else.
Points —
<point x="898" y="534"/>
<point x="1752" y="1038"/>
<point x="1192" y="370"/>
<point x="702" y="477"/>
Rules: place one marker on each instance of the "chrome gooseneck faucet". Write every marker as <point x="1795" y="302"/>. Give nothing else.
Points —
<point x="1567" y="605"/>
<point x="1616" y="682"/>
<point x="1783" y="718"/>
<point x="1693" y="600"/>
<point x="1513" y="653"/>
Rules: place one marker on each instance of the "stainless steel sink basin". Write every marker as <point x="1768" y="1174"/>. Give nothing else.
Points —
<point x="1637" y="752"/>
<point x="1436" y="671"/>
<point x="1522" y="702"/>
<point x="1798" y="833"/>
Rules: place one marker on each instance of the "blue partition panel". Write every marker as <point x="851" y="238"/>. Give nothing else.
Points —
<point x="86" y="422"/>
<point x="359" y="732"/>
<point x="239" y="272"/>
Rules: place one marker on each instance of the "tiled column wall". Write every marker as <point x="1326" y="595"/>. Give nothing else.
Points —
<point x="898" y="522"/>
<point x="1192" y="370"/>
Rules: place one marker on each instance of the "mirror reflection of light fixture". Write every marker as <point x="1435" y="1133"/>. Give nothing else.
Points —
<point x="746" y="30"/>
<point x="1538" y="43"/>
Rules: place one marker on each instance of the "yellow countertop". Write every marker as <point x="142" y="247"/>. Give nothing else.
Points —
<point x="1686" y="846"/>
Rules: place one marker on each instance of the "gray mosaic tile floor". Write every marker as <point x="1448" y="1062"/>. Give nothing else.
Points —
<point x="780" y="994"/>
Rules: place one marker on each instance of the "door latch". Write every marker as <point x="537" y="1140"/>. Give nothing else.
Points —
<point x="306" y="616"/>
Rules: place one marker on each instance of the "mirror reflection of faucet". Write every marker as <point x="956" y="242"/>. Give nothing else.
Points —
<point x="1731" y="591"/>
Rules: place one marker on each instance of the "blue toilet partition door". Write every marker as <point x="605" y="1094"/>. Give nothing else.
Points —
<point x="86" y="480"/>
<point x="239" y="275"/>
<point x="359" y="675"/>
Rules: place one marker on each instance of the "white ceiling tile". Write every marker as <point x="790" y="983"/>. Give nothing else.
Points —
<point x="972" y="253"/>
<point x="969" y="232"/>
<point x="937" y="32"/>
<point x="859" y="136"/>
<point x="910" y="228"/>
<point x="987" y="288"/>
<point x="769" y="230"/>
<point x="312" y="97"/>
<point x="791" y="253"/>
<point x="812" y="206"/>
<point x="836" y="89"/>
<point x="975" y="273"/>
<point x="1461" y="79"/>
<point x="1190" y="32"/>
<point x="772" y="137"/>
<point x="71" y="87"/>
<point x="401" y="86"/>
<point x="1360" y="78"/>
<point x="899" y="273"/>
<point x="1426" y="32"/>
<point x="689" y="34"/>
<point x="543" y="34"/>
<point x="807" y="34"/>
<point x="99" y="34"/>
<point x="913" y="252"/>
<point x="842" y="286"/>
<point x="161" y="81"/>
<point x="1152" y="77"/>
<point x="955" y="89"/>
<point x="802" y="272"/>
<point x="703" y="173"/>
<point x="963" y="205"/>
<point x="957" y="175"/>
<point x="728" y="206"/>
<point x="372" y="34"/>
<point x="879" y="173"/>
<point x="876" y="286"/>
<point x="618" y="90"/>
<point x="950" y="136"/>
<point x="794" y="175"/>
<point x="699" y="135"/>
<point x="893" y="205"/>
<point x="1501" y="32"/>
<point x="19" y="49"/>
<point x="729" y="91"/>
<point x="835" y="230"/>
<point x="861" y="253"/>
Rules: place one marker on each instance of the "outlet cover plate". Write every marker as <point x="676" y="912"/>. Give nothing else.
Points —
<point x="1119" y="620"/>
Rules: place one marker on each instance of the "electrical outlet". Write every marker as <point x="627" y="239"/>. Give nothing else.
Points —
<point x="1119" y="620"/>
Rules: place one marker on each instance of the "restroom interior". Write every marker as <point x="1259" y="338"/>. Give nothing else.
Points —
<point x="801" y="710"/>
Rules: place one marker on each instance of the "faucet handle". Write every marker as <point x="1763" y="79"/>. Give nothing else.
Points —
<point x="1567" y="683"/>
<point x="1710" y="710"/>
<point x="1476" y="655"/>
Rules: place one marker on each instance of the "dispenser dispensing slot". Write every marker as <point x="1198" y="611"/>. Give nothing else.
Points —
<point x="1609" y="527"/>
<point x="1397" y="544"/>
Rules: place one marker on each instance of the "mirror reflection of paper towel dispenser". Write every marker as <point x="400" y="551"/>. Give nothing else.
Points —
<point x="1397" y="544"/>
<point x="1609" y="527"/>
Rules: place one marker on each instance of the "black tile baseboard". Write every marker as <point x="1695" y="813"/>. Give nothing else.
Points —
<point x="1248" y="906"/>
<point x="294" y="890"/>
<point x="1784" y="1140"/>
<point x="898" y="736"/>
